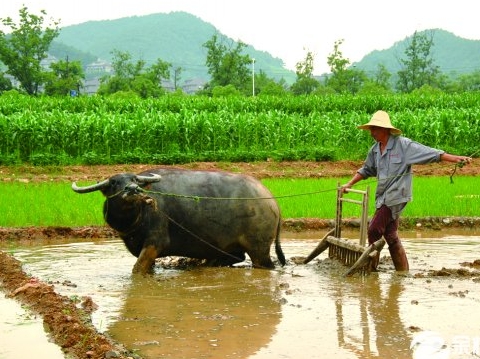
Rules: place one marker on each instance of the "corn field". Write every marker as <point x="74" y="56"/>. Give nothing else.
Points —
<point x="176" y="129"/>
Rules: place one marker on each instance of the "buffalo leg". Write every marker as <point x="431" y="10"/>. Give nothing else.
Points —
<point x="260" y="255"/>
<point x="262" y="261"/>
<point x="146" y="260"/>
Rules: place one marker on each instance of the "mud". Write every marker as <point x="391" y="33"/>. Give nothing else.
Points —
<point x="92" y="307"/>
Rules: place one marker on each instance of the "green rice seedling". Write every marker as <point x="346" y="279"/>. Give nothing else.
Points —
<point x="432" y="196"/>
<point x="55" y="204"/>
<point x="47" y="204"/>
<point x="313" y="198"/>
<point x="438" y="197"/>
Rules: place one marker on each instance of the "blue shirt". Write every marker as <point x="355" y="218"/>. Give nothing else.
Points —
<point x="393" y="168"/>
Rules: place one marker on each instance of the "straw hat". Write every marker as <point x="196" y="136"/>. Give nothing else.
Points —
<point x="381" y="119"/>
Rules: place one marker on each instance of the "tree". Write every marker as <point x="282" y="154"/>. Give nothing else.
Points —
<point x="336" y="61"/>
<point x="382" y="77"/>
<point x="64" y="77"/>
<point x="265" y="86"/>
<point x="343" y="79"/>
<point x="305" y="83"/>
<point x="159" y="71"/>
<point x="468" y="82"/>
<point x="135" y="77"/>
<point x="226" y="64"/>
<point x="23" y="50"/>
<point x="379" y="84"/>
<point x="225" y="91"/>
<point x="5" y="83"/>
<point x="418" y="66"/>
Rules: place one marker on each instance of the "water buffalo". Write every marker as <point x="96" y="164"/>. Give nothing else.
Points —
<point x="212" y="215"/>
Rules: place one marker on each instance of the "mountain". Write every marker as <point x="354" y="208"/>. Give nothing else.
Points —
<point x="178" y="38"/>
<point x="175" y="37"/>
<point x="452" y="54"/>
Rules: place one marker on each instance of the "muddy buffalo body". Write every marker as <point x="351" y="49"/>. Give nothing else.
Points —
<point x="217" y="216"/>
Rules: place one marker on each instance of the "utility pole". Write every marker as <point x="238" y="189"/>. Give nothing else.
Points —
<point x="253" y="77"/>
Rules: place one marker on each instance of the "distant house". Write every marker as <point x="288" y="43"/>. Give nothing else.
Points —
<point x="90" y="86"/>
<point x="45" y="63"/>
<point x="167" y="85"/>
<point x="192" y="86"/>
<point x="99" y="67"/>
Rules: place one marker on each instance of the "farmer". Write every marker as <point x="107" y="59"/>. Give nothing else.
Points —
<point x="390" y="159"/>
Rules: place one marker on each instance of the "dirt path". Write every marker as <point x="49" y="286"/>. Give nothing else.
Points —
<point x="268" y="169"/>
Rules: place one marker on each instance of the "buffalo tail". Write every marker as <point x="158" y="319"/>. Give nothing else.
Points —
<point x="278" y="247"/>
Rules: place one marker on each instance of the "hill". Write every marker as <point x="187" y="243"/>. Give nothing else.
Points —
<point x="454" y="55"/>
<point x="178" y="38"/>
<point x="175" y="37"/>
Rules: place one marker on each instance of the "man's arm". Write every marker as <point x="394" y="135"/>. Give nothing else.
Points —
<point x="357" y="177"/>
<point x="454" y="158"/>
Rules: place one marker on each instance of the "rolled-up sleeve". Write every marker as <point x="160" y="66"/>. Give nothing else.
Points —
<point x="416" y="153"/>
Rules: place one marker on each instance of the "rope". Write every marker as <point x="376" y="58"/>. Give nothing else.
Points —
<point x="200" y="239"/>
<point x="460" y="164"/>
<point x="198" y="198"/>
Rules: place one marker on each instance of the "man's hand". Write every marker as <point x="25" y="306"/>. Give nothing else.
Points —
<point x="344" y="188"/>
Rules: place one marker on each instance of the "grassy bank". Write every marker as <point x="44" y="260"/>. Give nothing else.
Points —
<point x="55" y="204"/>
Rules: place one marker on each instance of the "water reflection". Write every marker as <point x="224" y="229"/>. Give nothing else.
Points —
<point x="374" y="308"/>
<point x="205" y="312"/>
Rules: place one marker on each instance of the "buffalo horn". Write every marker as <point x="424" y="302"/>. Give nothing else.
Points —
<point x="91" y="188"/>
<point x="149" y="179"/>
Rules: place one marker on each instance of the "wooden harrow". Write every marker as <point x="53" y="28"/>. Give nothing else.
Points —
<point x="356" y="255"/>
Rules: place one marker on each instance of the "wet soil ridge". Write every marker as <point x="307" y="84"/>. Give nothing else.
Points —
<point x="69" y="326"/>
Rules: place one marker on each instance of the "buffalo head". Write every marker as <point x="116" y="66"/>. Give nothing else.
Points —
<point x="124" y="185"/>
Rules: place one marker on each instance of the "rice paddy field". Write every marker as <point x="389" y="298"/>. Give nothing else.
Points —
<point x="55" y="204"/>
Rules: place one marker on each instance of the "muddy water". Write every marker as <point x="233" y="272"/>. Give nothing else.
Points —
<point x="300" y="311"/>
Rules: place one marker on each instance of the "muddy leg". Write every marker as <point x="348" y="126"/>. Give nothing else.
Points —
<point x="399" y="257"/>
<point x="146" y="260"/>
<point x="376" y="229"/>
<point x="395" y="247"/>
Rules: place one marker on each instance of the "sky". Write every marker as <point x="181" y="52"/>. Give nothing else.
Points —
<point x="286" y="29"/>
